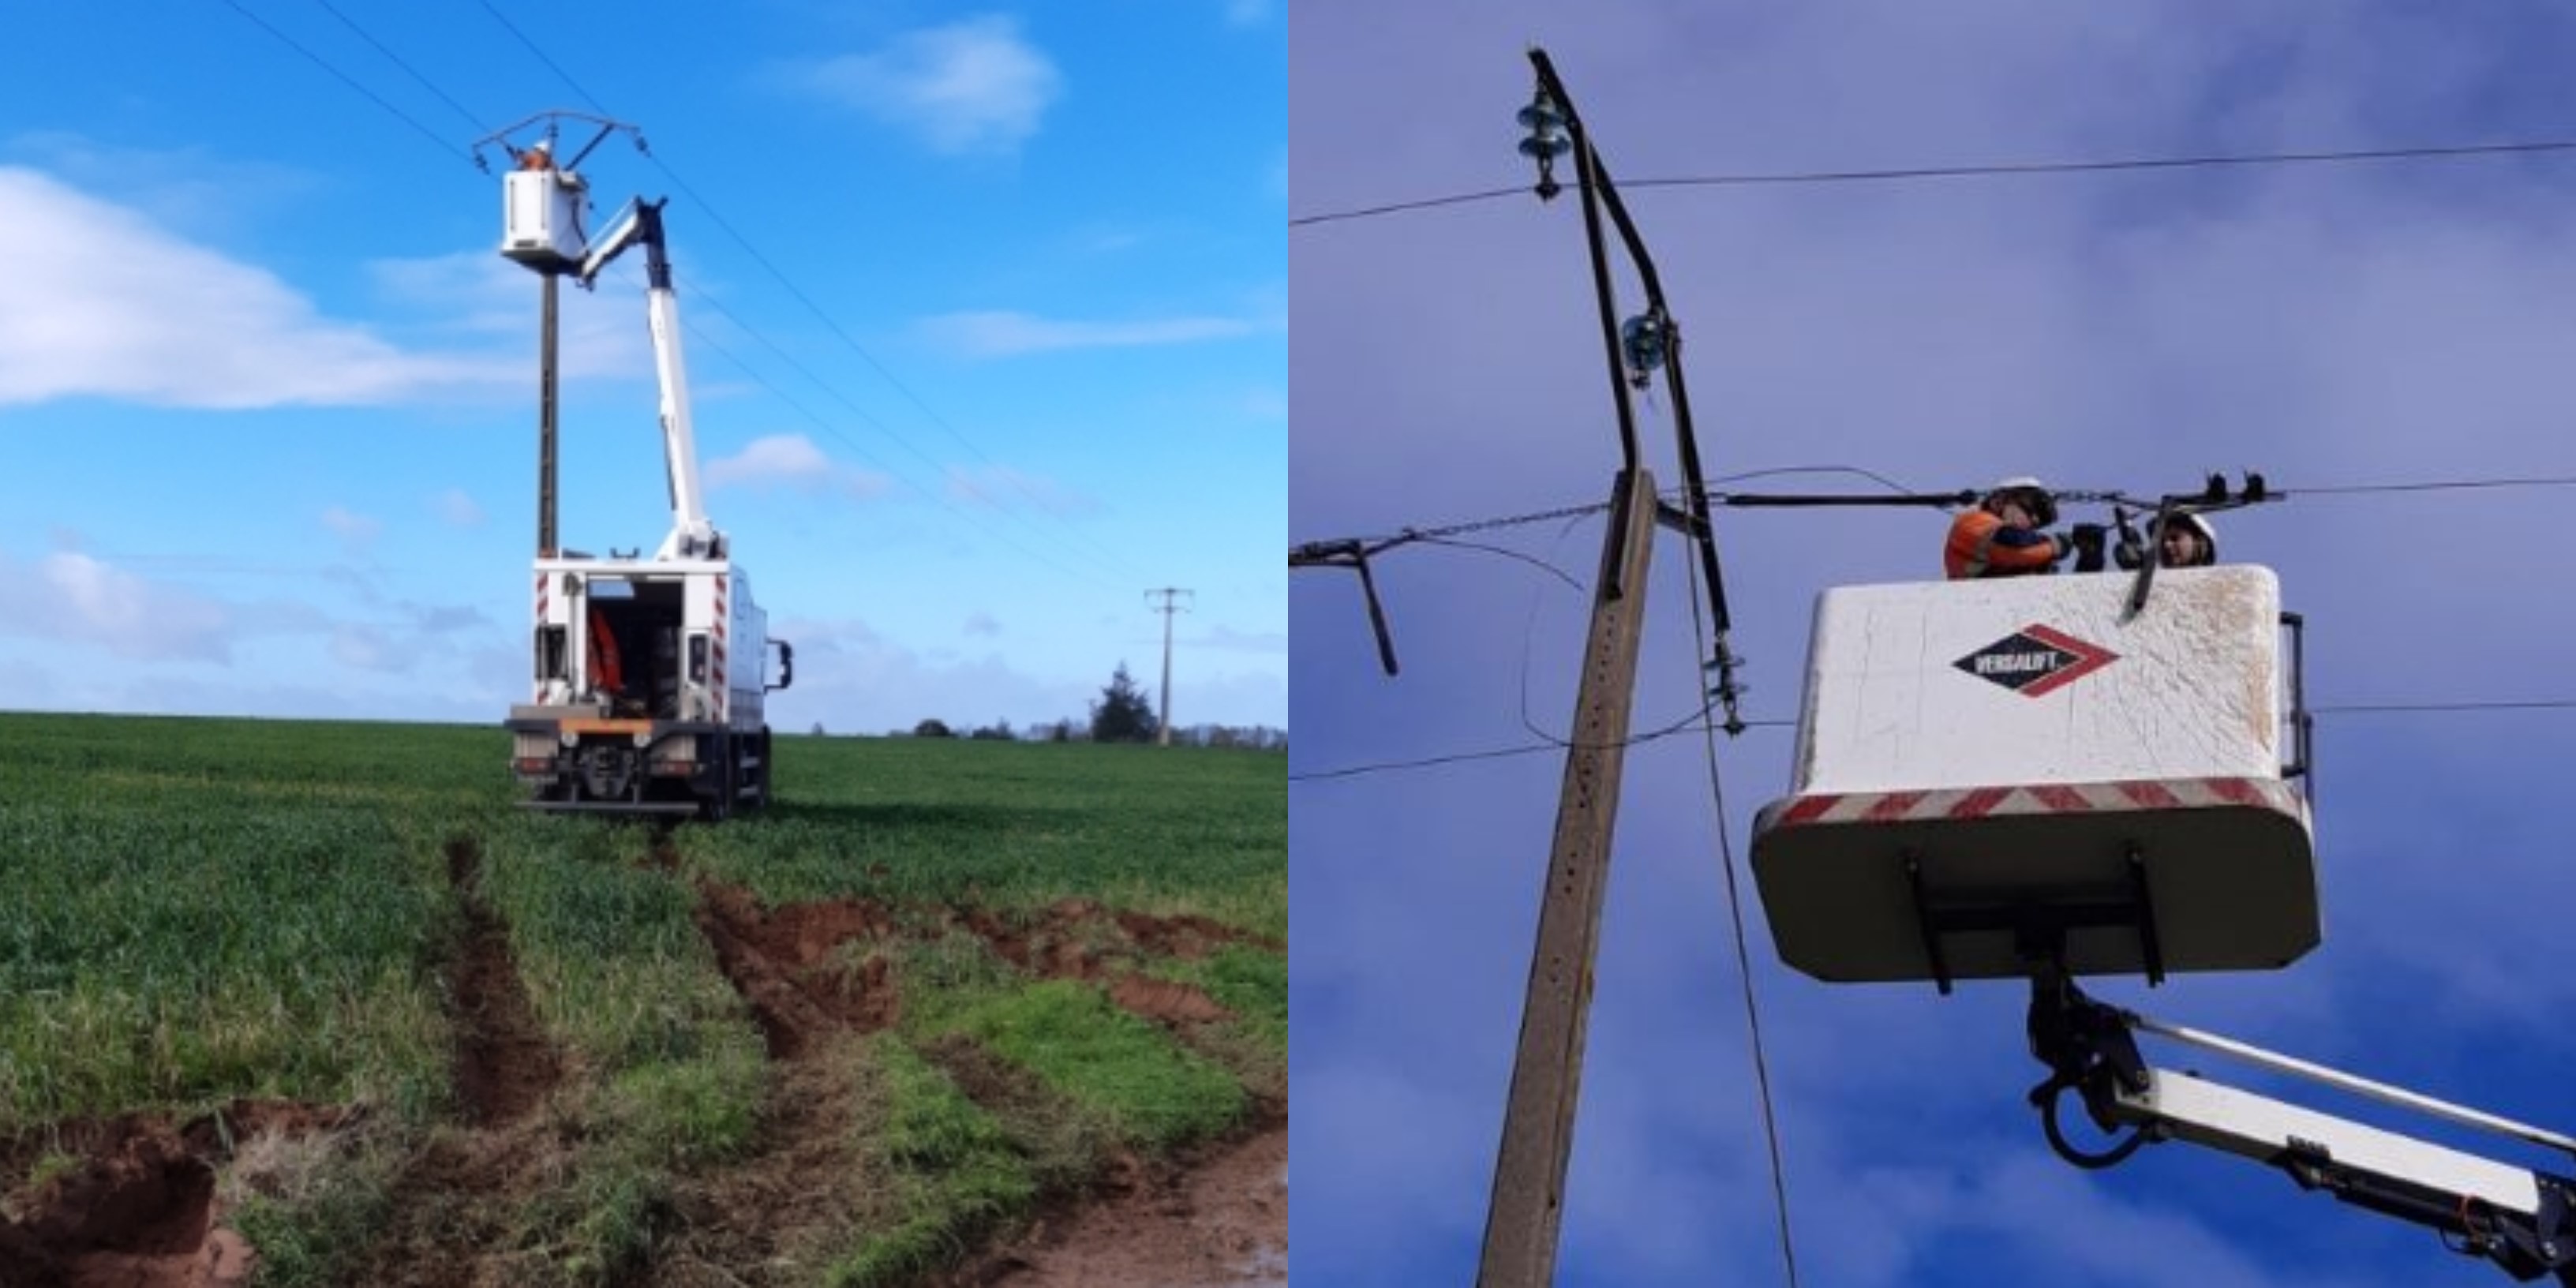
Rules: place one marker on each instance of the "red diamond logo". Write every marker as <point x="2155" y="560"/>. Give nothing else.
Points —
<point x="2036" y="661"/>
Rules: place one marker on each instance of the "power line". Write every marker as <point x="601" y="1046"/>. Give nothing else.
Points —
<point x="827" y="427"/>
<point x="1525" y="749"/>
<point x="397" y="60"/>
<point x="2360" y="489"/>
<point x="432" y="135"/>
<point x="1998" y="170"/>
<point x="1532" y="560"/>
<point x="2398" y="708"/>
<point x="869" y="358"/>
<point x="1743" y="953"/>
<point x="932" y="494"/>
<point x="1401" y="207"/>
<point x="1532" y="748"/>
<point x="560" y="73"/>
<point x="1411" y="534"/>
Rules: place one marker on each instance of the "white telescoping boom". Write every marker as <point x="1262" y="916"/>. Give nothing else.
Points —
<point x="692" y="535"/>
<point x="2518" y="1217"/>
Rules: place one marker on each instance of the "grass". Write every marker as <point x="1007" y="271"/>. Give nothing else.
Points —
<point x="957" y="1171"/>
<point x="1015" y="825"/>
<point x="1154" y="1094"/>
<point x="208" y="947"/>
<point x="197" y="910"/>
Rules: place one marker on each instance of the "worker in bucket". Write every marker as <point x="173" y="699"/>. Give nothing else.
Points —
<point x="2003" y="536"/>
<point x="2187" y="541"/>
<point x="540" y="155"/>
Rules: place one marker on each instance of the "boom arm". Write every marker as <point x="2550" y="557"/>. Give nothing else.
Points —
<point x="2517" y="1217"/>
<point x="693" y="535"/>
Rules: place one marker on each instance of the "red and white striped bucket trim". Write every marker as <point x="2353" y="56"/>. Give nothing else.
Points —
<point x="2037" y="798"/>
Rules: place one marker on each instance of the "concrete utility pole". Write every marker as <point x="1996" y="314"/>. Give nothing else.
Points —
<point x="1547" y="1070"/>
<point x="546" y="545"/>
<point x="1163" y="724"/>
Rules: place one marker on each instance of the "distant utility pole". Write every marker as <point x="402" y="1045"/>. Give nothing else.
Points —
<point x="1163" y="726"/>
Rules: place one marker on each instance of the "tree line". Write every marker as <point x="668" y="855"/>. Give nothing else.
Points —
<point x="1122" y="714"/>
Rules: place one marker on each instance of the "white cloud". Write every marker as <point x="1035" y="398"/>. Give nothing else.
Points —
<point x="1000" y="333"/>
<point x="67" y="595"/>
<point x="479" y="294"/>
<point x="366" y="648"/>
<point x="98" y="300"/>
<point x="351" y="527"/>
<point x="792" y="461"/>
<point x="459" y="509"/>
<point x="971" y="86"/>
<point x="982" y="624"/>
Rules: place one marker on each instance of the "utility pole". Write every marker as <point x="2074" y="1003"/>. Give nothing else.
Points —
<point x="1528" y="1205"/>
<point x="546" y="372"/>
<point x="1163" y="725"/>
<point x="1547" y="1071"/>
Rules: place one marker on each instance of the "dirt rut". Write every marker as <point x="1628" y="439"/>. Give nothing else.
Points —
<point x="504" y="1067"/>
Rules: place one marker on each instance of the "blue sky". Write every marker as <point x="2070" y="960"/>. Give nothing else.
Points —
<point x="268" y="394"/>
<point x="2325" y="325"/>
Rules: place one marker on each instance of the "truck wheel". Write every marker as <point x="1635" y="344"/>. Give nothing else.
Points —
<point x="719" y="807"/>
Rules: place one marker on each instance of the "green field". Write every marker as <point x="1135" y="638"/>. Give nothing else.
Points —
<point x="411" y="1033"/>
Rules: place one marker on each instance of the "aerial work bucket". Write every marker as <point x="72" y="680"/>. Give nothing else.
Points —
<point x="541" y="219"/>
<point x="1994" y="772"/>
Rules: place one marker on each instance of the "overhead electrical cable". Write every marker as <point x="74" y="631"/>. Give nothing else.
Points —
<point x="352" y="82"/>
<point x="1994" y="170"/>
<point x="1498" y="753"/>
<point x="1533" y="748"/>
<point x="397" y="60"/>
<point x="1743" y="954"/>
<point x="827" y="427"/>
<point x="1901" y="496"/>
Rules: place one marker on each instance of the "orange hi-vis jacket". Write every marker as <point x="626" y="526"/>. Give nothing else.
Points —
<point x="606" y="674"/>
<point x="1982" y="545"/>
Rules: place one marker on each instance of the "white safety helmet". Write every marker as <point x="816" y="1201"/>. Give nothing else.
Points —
<point x="2045" y="513"/>
<point x="2197" y="523"/>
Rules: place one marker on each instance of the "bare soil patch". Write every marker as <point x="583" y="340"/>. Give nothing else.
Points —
<point x="135" y="1205"/>
<point x="788" y="963"/>
<point x="1168" y="1001"/>
<point x="1079" y="939"/>
<point x="1214" y="1219"/>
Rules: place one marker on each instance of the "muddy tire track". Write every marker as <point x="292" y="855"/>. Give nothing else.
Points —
<point x="504" y="1066"/>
